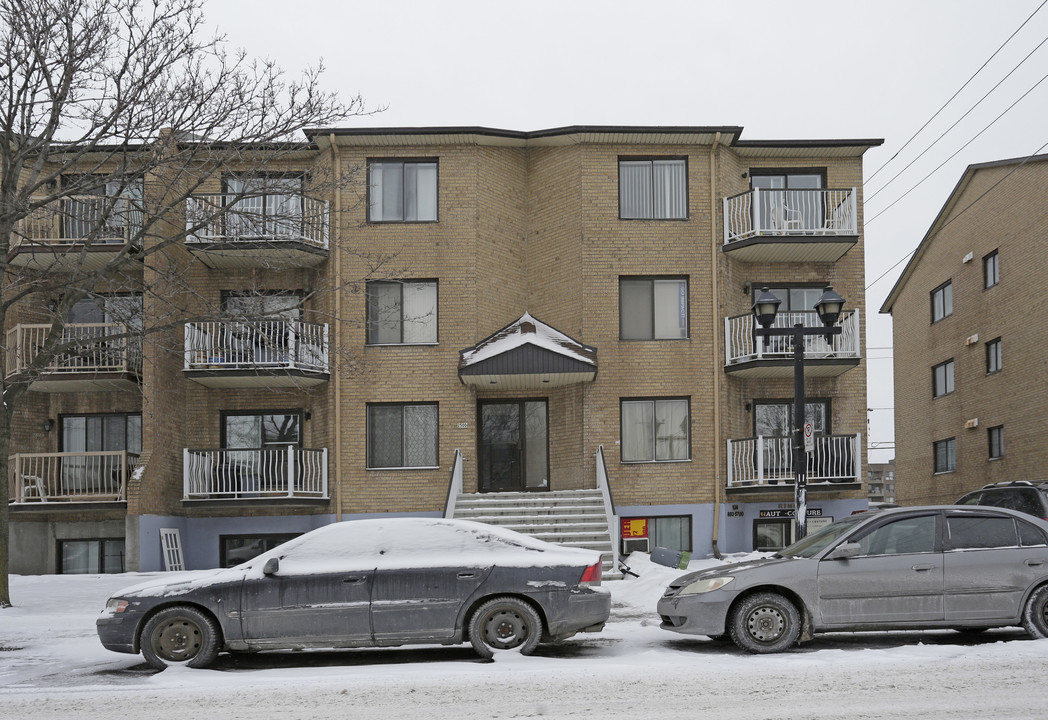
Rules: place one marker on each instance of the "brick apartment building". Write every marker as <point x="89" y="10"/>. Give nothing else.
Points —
<point x="969" y="401"/>
<point x="479" y="316"/>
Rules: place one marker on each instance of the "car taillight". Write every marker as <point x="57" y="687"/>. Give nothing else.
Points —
<point x="592" y="574"/>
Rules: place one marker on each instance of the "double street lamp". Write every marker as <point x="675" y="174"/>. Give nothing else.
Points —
<point x="829" y="309"/>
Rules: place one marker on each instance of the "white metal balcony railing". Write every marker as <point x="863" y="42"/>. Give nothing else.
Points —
<point x="98" y="347"/>
<point x="740" y="344"/>
<point x="70" y="476"/>
<point x="790" y="212"/>
<point x="218" y="218"/>
<point x="769" y="460"/>
<point x="263" y="344"/>
<point x="100" y="219"/>
<point x="266" y="472"/>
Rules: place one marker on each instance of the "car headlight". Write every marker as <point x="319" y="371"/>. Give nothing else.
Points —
<point x="116" y="605"/>
<point x="707" y="585"/>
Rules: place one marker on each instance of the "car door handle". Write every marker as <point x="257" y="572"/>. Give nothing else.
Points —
<point x="922" y="568"/>
<point x="1034" y="563"/>
<point x="353" y="580"/>
<point x="466" y="575"/>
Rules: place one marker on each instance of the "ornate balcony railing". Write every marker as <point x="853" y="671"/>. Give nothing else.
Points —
<point x="790" y="212"/>
<point x="764" y="461"/>
<point x="69" y="476"/>
<point x="262" y="344"/>
<point x="103" y="219"/>
<point x="255" y="473"/>
<point x="740" y="344"/>
<point x="96" y="347"/>
<point x="271" y="218"/>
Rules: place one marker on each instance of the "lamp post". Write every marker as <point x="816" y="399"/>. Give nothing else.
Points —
<point x="828" y="308"/>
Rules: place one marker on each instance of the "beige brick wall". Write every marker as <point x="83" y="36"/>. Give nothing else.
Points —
<point x="997" y="210"/>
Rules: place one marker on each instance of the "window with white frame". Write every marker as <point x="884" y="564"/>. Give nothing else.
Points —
<point x="653" y="188"/>
<point x="991" y="269"/>
<point x="402" y="435"/>
<point x="402" y="191"/>
<point x="942" y="379"/>
<point x="402" y="312"/>
<point x="945" y="452"/>
<point x="653" y="308"/>
<point x="993" y="356"/>
<point x="995" y="435"/>
<point x="655" y="430"/>
<point x="942" y="301"/>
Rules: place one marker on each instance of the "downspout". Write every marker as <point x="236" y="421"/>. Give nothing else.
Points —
<point x="714" y="333"/>
<point x="336" y="238"/>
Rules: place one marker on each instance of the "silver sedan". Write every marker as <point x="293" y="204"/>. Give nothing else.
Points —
<point x="968" y="568"/>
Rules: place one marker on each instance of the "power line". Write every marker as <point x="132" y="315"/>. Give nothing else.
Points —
<point x="981" y="67"/>
<point x="958" y="121"/>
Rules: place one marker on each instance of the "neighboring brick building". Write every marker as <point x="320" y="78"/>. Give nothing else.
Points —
<point x="554" y="308"/>
<point x="970" y="336"/>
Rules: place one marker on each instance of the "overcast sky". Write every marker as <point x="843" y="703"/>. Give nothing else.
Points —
<point x="780" y="69"/>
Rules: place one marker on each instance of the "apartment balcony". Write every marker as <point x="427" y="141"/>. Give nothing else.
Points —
<point x="256" y="354"/>
<point x="767" y="463"/>
<point x="790" y="225"/>
<point x="97" y="356"/>
<point x="750" y="357"/>
<point x="69" y="477"/>
<point x="80" y="232"/>
<point x="265" y="231"/>
<point x="274" y="473"/>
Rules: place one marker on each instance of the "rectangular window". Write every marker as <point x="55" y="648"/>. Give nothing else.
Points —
<point x="789" y="200"/>
<point x="105" y="208"/>
<point x="402" y="191"/>
<point x="402" y="312"/>
<point x="263" y="430"/>
<point x="235" y="549"/>
<point x="91" y="557"/>
<point x="991" y="270"/>
<point x="263" y="206"/>
<point x="993" y="356"/>
<point x="942" y="301"/>
<point x="655" y="430"/>
<point x="653" y="189"/>
<point x="945" y="455"/>
<point x="942" y="379"/>
<point x="995" y="435"/>
<point x="671" y="532"/>
<point x="770" y="535"/>
<point x="402" y="435"/>
<point x="653" y="308"/>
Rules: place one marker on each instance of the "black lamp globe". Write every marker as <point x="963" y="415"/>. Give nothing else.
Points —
<point x="765" y="307"/>
<point x="829" y="307"/>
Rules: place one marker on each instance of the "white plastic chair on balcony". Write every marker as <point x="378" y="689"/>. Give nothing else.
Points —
<point x="784" y="219"/>
<point x="34" y="484"/>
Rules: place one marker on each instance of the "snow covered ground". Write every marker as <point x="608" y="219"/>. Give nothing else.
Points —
<point x="52" y="666"/>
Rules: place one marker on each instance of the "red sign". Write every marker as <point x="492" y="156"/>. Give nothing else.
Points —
<point x="634" y="528"/>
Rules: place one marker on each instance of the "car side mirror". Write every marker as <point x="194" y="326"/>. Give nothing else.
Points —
<point x="271" y="566"/>
<point x="845" y="551"/>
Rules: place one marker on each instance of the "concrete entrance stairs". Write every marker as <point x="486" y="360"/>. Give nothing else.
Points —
<point x="574" y="518"/>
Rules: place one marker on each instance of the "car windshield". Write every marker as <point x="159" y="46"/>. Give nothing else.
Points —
<point x="817" y="541"/>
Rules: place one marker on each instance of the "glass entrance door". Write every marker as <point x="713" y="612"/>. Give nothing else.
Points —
<point x="514" y="450"/>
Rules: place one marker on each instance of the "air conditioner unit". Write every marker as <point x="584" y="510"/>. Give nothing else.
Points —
<point x="968" y="258"/>
<point x="973" y="423"/>
<point x="634" y="545"/>
<point x="972" y="339"/>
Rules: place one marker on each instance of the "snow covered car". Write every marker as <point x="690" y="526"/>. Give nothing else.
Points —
<point x="967" y="568"/>
<point x="367" y="583"/>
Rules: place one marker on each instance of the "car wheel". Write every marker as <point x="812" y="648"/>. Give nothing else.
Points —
<point x="505" y="624"/>
<point x="765" y="623"/>
<point x="180" y="636"/>
<point x="1035" y="614"/>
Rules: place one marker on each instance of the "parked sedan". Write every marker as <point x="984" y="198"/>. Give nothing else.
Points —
<point x="900" y="568"/>
<point x="368" y="583"/>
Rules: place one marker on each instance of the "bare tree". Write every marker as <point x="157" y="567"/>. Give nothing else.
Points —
<point x="116" y="115"/>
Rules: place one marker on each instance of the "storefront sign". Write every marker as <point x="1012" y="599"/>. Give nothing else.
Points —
<point x="634" y="528"/>
<point x="812" y="512"/>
